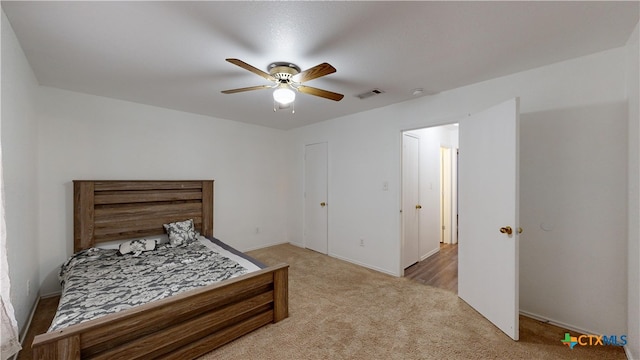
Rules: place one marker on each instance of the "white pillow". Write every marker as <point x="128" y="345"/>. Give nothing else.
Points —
<point x="115" y="244"/>
<point x="137" y="246"/>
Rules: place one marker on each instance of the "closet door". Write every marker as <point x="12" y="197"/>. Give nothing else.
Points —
<point x="315" y="197"/>
<point x="410" y="200"/>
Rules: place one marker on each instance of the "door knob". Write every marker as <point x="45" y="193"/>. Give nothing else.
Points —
<point x="323" y="204"/>
<point x="506" y="230"/>
<point x="418" y="206"/>
<point x="520" y="230"/>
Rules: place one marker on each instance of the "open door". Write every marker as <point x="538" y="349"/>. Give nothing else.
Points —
<point x="488" y="209"/>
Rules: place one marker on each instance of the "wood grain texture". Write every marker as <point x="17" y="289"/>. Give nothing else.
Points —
<point x="439" y="270"/>
<point x="207" y="211"/>
<point x="222" y="311"/>
<point x="83" y="214"/>
<point x="108" y="210"/>
<point x="281" y="294"/>
<point x="181" y="326"/>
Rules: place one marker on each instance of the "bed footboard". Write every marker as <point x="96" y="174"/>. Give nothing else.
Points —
<point x="180" y="327"/>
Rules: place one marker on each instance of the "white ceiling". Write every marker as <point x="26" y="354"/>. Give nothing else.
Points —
<point x="172" y="54"/>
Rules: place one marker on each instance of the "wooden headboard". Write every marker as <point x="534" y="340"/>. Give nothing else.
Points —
<point x="118" y="209"/>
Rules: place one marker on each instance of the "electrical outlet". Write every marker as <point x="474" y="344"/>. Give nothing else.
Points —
<point x="257" y="230"/>
<point x="361" y="242"/>
<point x="28" y="287"/>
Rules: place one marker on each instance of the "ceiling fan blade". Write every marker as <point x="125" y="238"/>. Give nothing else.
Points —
<point x="259" y="87"/>
<point x="314" y="72"/>
<point x="319" y="92"/>
<point x="254" y="70"/>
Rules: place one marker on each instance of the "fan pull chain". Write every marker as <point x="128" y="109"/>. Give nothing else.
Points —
<point x="293" y="107"/>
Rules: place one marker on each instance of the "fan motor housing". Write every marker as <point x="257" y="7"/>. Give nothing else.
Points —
<point x="283" y="70"/>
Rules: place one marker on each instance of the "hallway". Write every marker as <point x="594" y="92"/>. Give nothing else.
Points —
<point x="439" y="270"/>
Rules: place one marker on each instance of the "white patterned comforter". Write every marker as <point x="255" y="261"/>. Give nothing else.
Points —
<point x="98" y="282"/>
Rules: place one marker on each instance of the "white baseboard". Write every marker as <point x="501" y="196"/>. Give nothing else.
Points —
<point x="432" y="252"/>
<point x="48" y="295"/>
<point x="300" y="245"/>
<point x="27" y="325"/>
<point x="25" y="328"/>
<point x="263" y="246"/>
<point x="363" y="265"/>
<point x="332" y="255"/>
<point x="557" y="323"/>
<point x="570" y="327"/>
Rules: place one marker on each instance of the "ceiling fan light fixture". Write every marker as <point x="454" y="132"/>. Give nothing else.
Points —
<point x="284" y="95"/>
<point x="287" y="80"/>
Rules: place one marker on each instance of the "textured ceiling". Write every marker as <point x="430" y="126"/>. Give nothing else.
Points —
<point x="172" y="54"/>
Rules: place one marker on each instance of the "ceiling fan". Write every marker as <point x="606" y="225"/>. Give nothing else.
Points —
<point x="287" y="79"/>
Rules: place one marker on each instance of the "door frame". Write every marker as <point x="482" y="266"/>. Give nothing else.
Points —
<point x="451" y="191"/>
<point x="454" y="194"/>
<point x="443" y="122"/>
<point x="304" y="184"/>
<point x="402" y="204"/>
<point x="512" y="331"/>
<point x="446" y="194"/>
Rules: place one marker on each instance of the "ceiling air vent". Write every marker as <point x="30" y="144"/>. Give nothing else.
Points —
<point x="370" y="93"/>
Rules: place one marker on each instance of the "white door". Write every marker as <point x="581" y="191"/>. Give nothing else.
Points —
<point x="315" y="197"/>
<point x="410" y="200"/>
<point x="454" y="196"/>
<point x="445" y="195"/>
<point x="488" y="203"/>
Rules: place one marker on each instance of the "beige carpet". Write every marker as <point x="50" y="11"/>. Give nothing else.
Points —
<point x="338" y="310"/>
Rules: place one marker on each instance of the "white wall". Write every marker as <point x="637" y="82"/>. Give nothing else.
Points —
<point x="633" y="316"/>
<point x="573" y="202"/>
<point x="365" y="151"/>
<point x="89" y="137"/>
<point x="19" y="152"/>
<point x="361" y="158"/>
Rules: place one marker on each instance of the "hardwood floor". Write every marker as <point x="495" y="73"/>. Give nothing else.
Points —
<point x="45" y="311"/>
<point x="439" y="270"/>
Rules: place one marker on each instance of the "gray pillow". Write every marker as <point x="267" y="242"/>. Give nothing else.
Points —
<point x="181" y="232"/>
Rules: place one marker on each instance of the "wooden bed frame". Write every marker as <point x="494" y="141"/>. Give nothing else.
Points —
<point x="183" y="326"/>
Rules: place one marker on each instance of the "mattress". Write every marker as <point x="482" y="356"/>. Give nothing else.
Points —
<point x="97" y="282"/>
